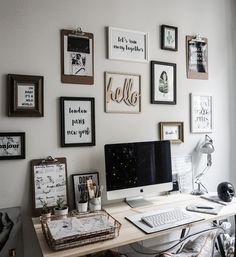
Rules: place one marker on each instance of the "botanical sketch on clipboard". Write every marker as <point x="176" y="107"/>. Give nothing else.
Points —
<point x="182" y="170"/>
<point x="49" y="183"/>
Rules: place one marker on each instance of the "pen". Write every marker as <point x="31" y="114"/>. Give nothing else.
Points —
<point x="205" y="207"/>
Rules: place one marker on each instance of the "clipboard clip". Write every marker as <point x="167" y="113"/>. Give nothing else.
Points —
<point x="49" y="159"/>
<point x="197" y="38"/>
<point x="77" y="32"/>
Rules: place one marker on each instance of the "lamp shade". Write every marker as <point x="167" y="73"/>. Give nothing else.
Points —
<point x="207" y="147"/>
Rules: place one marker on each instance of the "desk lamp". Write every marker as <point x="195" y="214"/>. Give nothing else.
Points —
<point x="206" y="147"/>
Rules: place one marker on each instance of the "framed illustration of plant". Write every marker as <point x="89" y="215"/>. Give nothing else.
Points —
<point x="12" y="145"/>
<point x="25" y="95"/>
<point x="163" y="83"/>
<point x="169" y="38"/>
<point x="77" y="121"/>
<point x="201" y="113"/>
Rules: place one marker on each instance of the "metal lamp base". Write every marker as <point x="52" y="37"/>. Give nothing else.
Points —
<point x="197" y="192"/>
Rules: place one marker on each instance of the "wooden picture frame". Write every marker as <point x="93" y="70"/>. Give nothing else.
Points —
<point x="77" y="121"/>
<point x="163" y="83"/>
<point x="173" y="131"/>
<point x="79" y="180"/>
<point x="12" y="145"/>
<point x="169" y="38"/>
<point x="127" y="45"/>
<point x="49" y="182"/>
<point x="122" y="92"/>
<point x="25" y="95"/>
<point x="77" y="57"/>
<point x="201" y="113"/>
<point x="197" y="57"/>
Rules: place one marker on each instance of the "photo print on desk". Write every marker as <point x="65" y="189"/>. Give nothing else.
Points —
<point x="77" y="57"/>
<point x="163" y="83"/>
<point x="122" y="93"/>
<point x="77" y="121"/>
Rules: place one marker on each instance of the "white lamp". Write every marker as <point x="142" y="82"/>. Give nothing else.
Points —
<point x="206" y="147"/>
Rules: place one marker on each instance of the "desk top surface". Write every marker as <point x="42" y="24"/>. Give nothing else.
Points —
<point x="128" y="232"/>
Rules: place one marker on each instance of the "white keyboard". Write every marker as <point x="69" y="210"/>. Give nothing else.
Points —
<point x="159" y="220"/>
<point x="166" y="217"/>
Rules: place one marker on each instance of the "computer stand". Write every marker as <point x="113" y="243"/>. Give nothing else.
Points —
<point x="137" y="202"/>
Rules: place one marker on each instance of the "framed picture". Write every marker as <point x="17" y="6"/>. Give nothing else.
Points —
<point x="127" y="45"/>
<point x="197" y="57"/>
<point x="49" y="182"/>
<point x="122" y="92"/>
<point x="169" y="38"/>
<point x="80" y="180"/>
<point x="163" y="83"/>
<point x="25" y="95"/>
<point x="77" y="121"/>
<point x="201" y="113"/>
<point x="12" y="145"/>
<point x="173" y="131"/>
<point x="77" y="57"/>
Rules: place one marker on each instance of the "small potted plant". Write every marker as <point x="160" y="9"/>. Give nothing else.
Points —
<point x="46" y="211"/>
<point x="83" y="200"/>
<point x="61" y="208"/>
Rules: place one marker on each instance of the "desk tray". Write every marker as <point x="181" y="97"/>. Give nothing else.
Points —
<point x="82" y="238"/>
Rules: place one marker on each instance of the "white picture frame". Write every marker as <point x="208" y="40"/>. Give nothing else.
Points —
<point x="127" y="45"/>
<point x="122" y="92"/>
<point x="201" y="113"/>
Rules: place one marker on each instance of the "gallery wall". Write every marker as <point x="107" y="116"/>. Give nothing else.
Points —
<point x="30" y="45"/>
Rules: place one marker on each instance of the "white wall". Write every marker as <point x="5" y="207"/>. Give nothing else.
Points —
<point x="30" y="44"/>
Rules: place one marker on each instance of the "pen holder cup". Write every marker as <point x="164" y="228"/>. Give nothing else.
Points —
<point x="95" y="204"/>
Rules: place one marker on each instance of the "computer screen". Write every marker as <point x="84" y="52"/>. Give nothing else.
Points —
<point x="137" y="169"/>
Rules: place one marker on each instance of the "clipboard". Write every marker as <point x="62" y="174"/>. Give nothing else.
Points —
<point x="49" y="182"/>
<point x="197" y="57"/>
<point x="77" y="57"/>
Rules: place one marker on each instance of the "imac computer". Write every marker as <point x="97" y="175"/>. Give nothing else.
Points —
<point x="134" y="170"/>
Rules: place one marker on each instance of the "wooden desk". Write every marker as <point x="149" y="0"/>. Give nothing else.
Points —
<point x="129" y="233"/>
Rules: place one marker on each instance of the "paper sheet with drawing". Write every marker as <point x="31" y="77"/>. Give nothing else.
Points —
<point x="183" y="170"/>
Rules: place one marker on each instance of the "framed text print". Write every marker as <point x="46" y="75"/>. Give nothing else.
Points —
<point x="77" y="121"/>
<point x="25" y="95"/>
<point x="77" y="57"/>
<point x="163" y="83"/>
<point x="12" y="145"/>
<point x="197" y="57"/>
<point x="169" y="38"/>
<point x="173" y="131"/>
<point x="201" y="113"/>
<point x="122" y="93"/>
<point x="127" y="45"/>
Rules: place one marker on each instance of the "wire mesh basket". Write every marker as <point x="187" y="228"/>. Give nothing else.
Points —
<point x="81" y="235"/>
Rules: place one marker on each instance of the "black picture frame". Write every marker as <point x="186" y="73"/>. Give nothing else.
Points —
<point x="163" y="83"/>
<point x="25" y="95"/>
<point x="81" y="180"/>
<point x="12" y="145"/>
<point x="77" y="121"/>
<point x="169" y="38"/>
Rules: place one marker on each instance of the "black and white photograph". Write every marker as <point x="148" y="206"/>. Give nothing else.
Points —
<point x="80" y="183"/>
<point x="11" y="236"/>
<point x="12" y="145"/>
<point x="77" y="57"/>
<point x="163" y="83"/>
<point x="197" y="57"/>
<point x="169" y="38"/>
<point x="77" y="121"/>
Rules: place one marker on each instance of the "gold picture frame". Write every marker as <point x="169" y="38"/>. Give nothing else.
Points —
<point x="173" y="131"/>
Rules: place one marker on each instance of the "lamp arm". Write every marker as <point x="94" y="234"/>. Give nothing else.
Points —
<point x="197" y="179"/>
